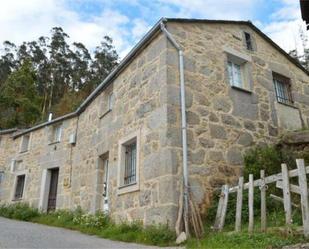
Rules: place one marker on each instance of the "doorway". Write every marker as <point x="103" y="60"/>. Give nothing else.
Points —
<point x="101" y="198"/>
<point x="52" y="195"/>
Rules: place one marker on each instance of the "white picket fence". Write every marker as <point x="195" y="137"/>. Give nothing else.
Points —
<point x="282" y="182"/>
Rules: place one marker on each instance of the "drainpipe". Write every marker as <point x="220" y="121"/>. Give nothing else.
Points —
<point x="183" y="126"/>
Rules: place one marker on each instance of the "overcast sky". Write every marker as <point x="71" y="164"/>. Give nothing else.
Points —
<point x="126" y="21"/>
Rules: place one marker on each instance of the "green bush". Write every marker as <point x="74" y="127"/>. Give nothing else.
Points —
<point x="18" y="211"/>
<point x="268" y="158"/>
<point x="96" y="224"/>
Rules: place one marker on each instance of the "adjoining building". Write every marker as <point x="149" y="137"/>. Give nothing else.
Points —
<point x="122" y="150"/>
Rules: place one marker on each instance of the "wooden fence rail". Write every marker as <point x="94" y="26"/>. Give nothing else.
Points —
<point x="282" y="181"/>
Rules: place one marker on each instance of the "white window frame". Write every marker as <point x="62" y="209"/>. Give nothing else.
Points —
<point x="235" y="71"/>
<point x="243" y="61"/>
<point x="283" y="90"/>
<point x="56" y="133"/>
<point x="19" y="173"/>
<point x="23" y="147"/>
<point x="122" y="187"/>
<point x="110" y="101"/>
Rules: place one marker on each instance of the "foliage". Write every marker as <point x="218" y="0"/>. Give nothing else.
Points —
<point x="60" y="76"/>
<point x="303" y="56"/>
<point x="19" y="211"/>
<point x="96" y="224"/>
<point x="244" y="240"/>
<point x="268" y="158"/>
<point x="19" y="99"/>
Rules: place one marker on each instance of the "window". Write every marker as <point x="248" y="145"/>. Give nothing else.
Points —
<point x="19" y="190"/>
<point x="25" y="143"/>
<point x="56" y="133"/>
<point x="235" y="74"/>
<point x="238" y="70"/>
<point x="110" y="101"/>
<point x="283" y="89"/>
<point x="130" y="164"/>
<point x="248" y="41"/>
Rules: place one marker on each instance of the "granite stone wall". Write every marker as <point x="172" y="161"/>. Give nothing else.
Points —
<point x="223" y="122"/>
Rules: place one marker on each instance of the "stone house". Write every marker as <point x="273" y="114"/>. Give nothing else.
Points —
<point x="124" y="149"/>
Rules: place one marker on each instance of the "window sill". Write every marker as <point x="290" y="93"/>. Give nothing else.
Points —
<point x="241" y="89"/>
<point x="289" y="105"/>
<point x="105" y="113"/>
<point x="24" y="152"/>
<point x="17" y="199"/>
<point x="133" y="187"/>
<point x="56" y="142"/>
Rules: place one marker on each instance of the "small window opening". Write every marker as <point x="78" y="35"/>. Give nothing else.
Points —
<point x="20" y="183"/>
<point x="25" y="143"/>
<point x="248" y="40"/>
<point x="130" y="164"/>
<point x="283" y="89"/>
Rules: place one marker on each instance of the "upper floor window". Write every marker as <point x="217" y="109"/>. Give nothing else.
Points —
<point x="25" y="143"/>
<point x="283" y="89"/>
<point x="110" y="101"/>
<point x="56" y="133"/>
<point x="248" y="41"/>
<point x="19" y="189"/>
<point x="235" y="74"/>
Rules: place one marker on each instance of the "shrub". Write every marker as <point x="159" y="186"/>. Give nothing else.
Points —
<point x="18" y="211"/>
<point x="268" y="158"/>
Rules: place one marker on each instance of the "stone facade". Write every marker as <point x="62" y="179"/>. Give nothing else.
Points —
<point x="223" y="122"/>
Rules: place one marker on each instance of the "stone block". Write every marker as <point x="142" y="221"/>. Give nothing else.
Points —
<point x="215" y="156"/>
<point x="196" y="157"/>
<point x="249" y="125"/>
<point x="213" y="118"/>
<point x="160" y="163"/>
<point x="234" y="156"/>
<point x="245" y="139"/>
<point x="221" y="104"/>
<point x="168" y="191"/>
<point x="145" y="198"/>
<point x="165" y="215"/>
<point x="229" y="120"/>
<point x="206" y="143"/>
<point x="217" y="131"/>
<point x="192" y="118"/>
<point x="244" y="104"/>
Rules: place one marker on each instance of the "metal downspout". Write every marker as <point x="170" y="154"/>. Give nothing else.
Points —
<point x="183" y="126"/>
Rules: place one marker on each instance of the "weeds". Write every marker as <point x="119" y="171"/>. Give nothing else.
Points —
<point x="95" y="224"/>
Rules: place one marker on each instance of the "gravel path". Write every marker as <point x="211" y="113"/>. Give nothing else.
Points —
<point x="19" y="234"/>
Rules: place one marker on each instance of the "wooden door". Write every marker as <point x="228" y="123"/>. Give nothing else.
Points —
<point x="52" y="196"/>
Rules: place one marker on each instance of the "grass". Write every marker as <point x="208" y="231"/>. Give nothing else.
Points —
<point x="244" y="240"/>
<point x="98" y="224"/>
<point x="160" y="235"/>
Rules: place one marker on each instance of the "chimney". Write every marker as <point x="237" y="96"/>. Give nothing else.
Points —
<point x="50" y="117"/>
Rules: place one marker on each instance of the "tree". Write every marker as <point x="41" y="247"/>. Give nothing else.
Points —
<point x="64" y="74"/>
<point x="19" y="99"/>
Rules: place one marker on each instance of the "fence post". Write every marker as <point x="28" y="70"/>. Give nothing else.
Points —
<point x="222" y="207"/>
<point x="302" y="179"/>
<point x="263" y="188"/>
<point x="250" y="202"/>
<point x="239" y="204"/>
<point x="286" y="194"/>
